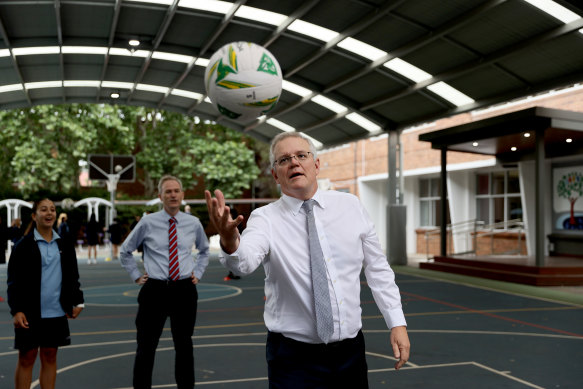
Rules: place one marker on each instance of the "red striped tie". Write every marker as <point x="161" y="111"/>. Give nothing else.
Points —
<point x="173" y="268"/>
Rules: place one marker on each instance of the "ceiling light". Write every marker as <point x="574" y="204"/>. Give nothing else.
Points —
<point x="330" y="104"/>
<point x="163" y="2"/>
<point x="513" y="148"/>
<point x="114" y="95"/>
<point x="450" y="94"/>
<point x="312" y="30"/>
<point x="4" y="53"/>
<point x="527" y="134"/>
<point x="568" y="140"/>
<point x="134" y="42"/>
<point x="363" y="49"/>
<point x="475" y="144"/>
<point x="281" y="125"/>
<point x="202" y="62"/>
<point x="404" y="68"/>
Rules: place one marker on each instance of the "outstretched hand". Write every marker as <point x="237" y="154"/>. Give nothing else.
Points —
<point x="220" y="217"/>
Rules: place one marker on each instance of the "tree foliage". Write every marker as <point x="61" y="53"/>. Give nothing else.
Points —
<point x="41" y="147"/>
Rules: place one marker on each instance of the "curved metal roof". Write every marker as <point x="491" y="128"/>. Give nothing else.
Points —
<point x="355" y="53"/>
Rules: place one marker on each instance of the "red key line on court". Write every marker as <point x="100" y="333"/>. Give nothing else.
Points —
<point x="493" y="315"/>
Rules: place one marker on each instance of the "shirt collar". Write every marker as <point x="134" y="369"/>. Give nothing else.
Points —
<point x="38" y="236"/>
<point x="295" y="204"/>
<point x="167" y="216"/>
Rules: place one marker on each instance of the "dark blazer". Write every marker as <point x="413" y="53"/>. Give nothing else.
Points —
<point x="24" y="278"/>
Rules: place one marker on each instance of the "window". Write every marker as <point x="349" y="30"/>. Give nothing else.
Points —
<point x="430" y="202"/>
<point x="498" y="197"/>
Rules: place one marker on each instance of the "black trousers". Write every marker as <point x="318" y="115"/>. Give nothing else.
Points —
<point x="157" y="301"/>
<point x="297" y="365"/>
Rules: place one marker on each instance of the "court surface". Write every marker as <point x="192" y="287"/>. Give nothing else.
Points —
<point x="463" y="336"/>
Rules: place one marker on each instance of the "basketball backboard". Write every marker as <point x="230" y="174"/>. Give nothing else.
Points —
<point x="102" y="165"/>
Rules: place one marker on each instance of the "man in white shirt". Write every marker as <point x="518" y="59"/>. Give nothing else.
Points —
<point x="277" y="238"/>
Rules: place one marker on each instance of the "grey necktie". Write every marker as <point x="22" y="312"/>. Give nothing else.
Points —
<point x="323" y="308"/>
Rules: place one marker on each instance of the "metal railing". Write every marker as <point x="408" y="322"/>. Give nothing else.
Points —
<point x="466" y="233"/>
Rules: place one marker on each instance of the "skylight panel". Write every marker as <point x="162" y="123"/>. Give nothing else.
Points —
<point x="161" y="2"/>
<point x="43" y="84"/>
<point x="152" y="88"/>
<point x="221" y="7"/>
<point x="36" y="50"/>
<point x="260" y="15"/>
<point x="4" y="53"/>
<point x="202" y="62"/>
<point x="83" y="50"/>
<point x="312" y="30"/>
<point x="281" y="125"/>
<point x="117" y="84"/>
<point x="363" y="49"/>
<point x="187" y="94"/>
<point x="555" y="10"/>
<point x="127" y="53"/>
<point x="316" y="143"/>
<point x="295" y="88"/>
<point x="10" y="88"/>
<point x="405" y="69"/>
<point x="172" y="57"/>
<point x="363" y="122"/>
<point x="330" y="104"/>
<point x="450" y="94"/>
<point x="81" y="83"/>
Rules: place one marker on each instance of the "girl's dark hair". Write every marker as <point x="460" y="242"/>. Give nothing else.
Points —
<point x="36" y="203"/>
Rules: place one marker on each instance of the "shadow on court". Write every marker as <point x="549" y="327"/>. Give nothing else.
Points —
<point x="462" y="336"/>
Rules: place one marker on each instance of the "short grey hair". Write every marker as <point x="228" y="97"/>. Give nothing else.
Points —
<point x="165" y="178"/>
<point x="292" y="134"/>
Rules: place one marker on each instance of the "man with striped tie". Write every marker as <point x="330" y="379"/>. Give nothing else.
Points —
<point x="169" y="282"/>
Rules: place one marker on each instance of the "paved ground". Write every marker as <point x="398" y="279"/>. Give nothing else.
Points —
<point x="465" y="333"/>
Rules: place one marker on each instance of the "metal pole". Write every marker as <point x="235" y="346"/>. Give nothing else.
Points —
<point x="443" y="210"/>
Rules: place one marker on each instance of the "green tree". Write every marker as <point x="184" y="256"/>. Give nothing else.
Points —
<point x="42" y="146"/>
<point x="570" y="186"/>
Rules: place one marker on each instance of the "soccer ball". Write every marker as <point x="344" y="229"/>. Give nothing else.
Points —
<point x="243" y="81"/>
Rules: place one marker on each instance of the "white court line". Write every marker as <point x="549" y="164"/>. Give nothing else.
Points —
<point x="235" y="291"/>
<point x="476" y="332"/>
<point x="479" y="365"/>
<point x="410" y="365"/>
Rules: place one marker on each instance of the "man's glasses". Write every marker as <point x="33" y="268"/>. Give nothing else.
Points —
<point x="284" y="161"/>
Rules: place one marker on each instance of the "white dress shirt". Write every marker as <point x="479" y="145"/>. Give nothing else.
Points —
<point x="152" y="231"/>
<point x="276" y="237"/>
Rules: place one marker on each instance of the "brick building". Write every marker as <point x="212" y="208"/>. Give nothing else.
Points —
<point x="489" y="195"/>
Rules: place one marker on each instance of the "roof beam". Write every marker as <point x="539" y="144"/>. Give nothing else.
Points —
<point x="218" y="31"/>
<point x="112" y="28"/>
<point x="415" y="44"/>
<point x="472" y="66"/>
<point x="14" y="61"/>
<point x="298" y="13"/>
<point x="365" y="22"/>
<point x="170" y="12"/>
<point x="60" y="43"/>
